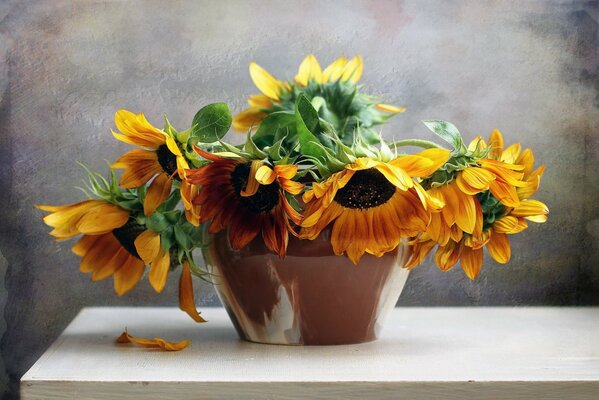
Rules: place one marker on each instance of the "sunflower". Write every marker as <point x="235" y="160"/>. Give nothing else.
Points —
<point x="249" y="197"/>
<point x="113" y="243"/>
<point x="372" y="204"/>
<point x="496" y="220"/>
<point x="159" y="157"/>
<point x="336" y="84"/>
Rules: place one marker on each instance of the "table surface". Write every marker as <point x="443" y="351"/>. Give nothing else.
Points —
<point x="450" y="353"/>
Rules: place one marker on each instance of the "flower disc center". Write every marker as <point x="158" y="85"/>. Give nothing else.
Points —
<point x="127" y="234"/>
<point x="167" y="160"/>
<point x="265" y="199"/>
<point x="366" y="189"/>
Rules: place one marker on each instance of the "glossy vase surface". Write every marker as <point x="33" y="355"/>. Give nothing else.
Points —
<point x="311" y="297"/>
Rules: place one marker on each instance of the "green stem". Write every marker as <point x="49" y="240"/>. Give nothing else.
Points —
<point x="425" y="144"/>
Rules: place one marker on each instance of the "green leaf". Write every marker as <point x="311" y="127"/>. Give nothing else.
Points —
<point x="166" y="240"/>
<point x="448" y="132"/>
<point x="275" y="126"/>
<point x="253" y="150"/>
<point x="211" y="123"/>
<point x="182" y="238"/>
<point x="157" y="222"/>
<point x="309" y="144"/>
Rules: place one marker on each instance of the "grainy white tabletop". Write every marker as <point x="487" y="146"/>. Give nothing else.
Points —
<point x="425" y="353"/>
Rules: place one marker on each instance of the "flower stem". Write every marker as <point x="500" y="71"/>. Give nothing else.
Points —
<point x="425" y="144"/>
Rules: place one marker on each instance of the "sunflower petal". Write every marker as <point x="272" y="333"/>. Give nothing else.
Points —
<point x="147" y="245"/>
<point x="128" y="275"/>
<point x="153" y="343"/>
<point x="498" y="247"/>
<point x="495" y="144"/>
<point x="158" y="192"/>
<point x="389" y="108"/>
<point x="309" y="70"/>
<point x="334" y="71"/>
<point x="248" y="119"/>
<point x="186" y="297"/>
<point x="352" y="71"/>
<point x="252" y="183"/>
<point x="159" y="270"/>
<point x="265" y="82"/>
<point x="472" y="261"/>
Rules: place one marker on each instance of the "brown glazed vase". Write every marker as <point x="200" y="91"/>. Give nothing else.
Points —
<point x="311" y="297"/>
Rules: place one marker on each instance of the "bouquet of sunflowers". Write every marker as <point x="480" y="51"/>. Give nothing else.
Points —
<point x="312" y="159"/>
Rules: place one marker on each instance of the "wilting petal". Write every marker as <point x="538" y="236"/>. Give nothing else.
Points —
<point x="128" y="275"/>
<point x="102" y="219"/>
<point x="265" y="82"/>
<point x="186" y="297"/>
<point x="534" y="209"/>
<point x="159" y="270"/>
<point x="424" y="163"/>
<point x="511" y="153"/>
<point x="153" y="343"/>
<point x="147" y="245"/>
<point x="447" y="256"/>
<point x="309" y="70"/>
<point x="265" y="175"/>
<point x="252" y="183"/>
<point x="158" y="192"/>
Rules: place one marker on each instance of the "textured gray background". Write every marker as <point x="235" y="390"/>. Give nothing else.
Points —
<point x="529" y="68"/>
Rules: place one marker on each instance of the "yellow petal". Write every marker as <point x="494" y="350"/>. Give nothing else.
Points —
<point x="172" y="146"/>
<point x="309" y="70"/>
<point x="126" y="277"/>
<point x="511" y="153"/>
<point x="472" y="261"/>
<point x="248" y="119"/>
<point x="102" y="219"/>
<point x="424" y="163"/>
<point x="159" y="270"/>
<point x="389" y="108"/>
<point x="186" y="298"/>
<point x="352" y="71"/>
<point x="265" y="82"/>
<point x="507" y="224"/>
<point x="265" y="175"/>
<point x="498" y="247"/>
<point x="159" y="190"/>
<point x="147" y="245"/>
<point x="260" y="101"/>
<point x="474" y="180"/>
<point x="334" y="71"/>
<point x="153" y="343"/>
<point x="252" y="183"/>
<point x="495" y="144"/>
<point x="478" y="143"/>
<point x="530" y="208"/>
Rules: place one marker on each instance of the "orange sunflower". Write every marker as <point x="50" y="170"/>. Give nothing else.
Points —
<point x="159" y="157"/>
<point x="372" y="204"/>
<point x="497" y="219"/>
<point x="113" y="243"/>
<point x="249" y="197"/>
<point x="275" y="92"/>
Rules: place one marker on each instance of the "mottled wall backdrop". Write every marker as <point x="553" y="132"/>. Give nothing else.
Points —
<point x="529" y="68"/>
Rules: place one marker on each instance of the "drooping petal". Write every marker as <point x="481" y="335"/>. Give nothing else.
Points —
<point x="447" y="256"/>
<point x="252" y="183"/>
<point x="499" y="247"/>
<point x="147" y="245"/>
<point x="140" y="166"/>
<point x="424" y="163"/>
<point x="102" y="219"/>
<point x="532" y="210"/>
<point x="260" y="101"/>
<point x="186" y="296"/>
<point x="472" y="261"/>
<point x="248" y="119"/>
<point x="265" y="175"/>
<point x="159" y="270"/>
<point x="128" y="275"/>
<point x="474" y="180"/>
<point x="158" y="192"/>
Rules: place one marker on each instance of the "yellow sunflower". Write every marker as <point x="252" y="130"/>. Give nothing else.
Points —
<point x="496" y="220"/>
<point x="113" y="243"/>
<point x="278" y="95"/>
<point x="159" y="158"/>
<point x="372" y="204"/>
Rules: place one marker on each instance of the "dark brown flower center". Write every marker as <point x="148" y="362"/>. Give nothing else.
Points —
<point x="265" y="199"/>
<point x="167" y="160"/>
<point x="127" y="234"/>
<point x="366" y="189"/>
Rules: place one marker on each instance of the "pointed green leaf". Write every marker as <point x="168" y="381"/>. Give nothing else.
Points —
<point x="448" y="132"/>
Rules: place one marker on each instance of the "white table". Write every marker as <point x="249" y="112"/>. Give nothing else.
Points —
<point x="425" y="353"/>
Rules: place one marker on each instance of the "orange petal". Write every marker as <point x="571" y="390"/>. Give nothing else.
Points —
<point x="153" y="343"/>
<point x="252" y="183"/>
<point x="147" y="245"/>
<point x="498" y="247"/>
<point x="159" y="190"/>
<point x="159" y="270"/>
<point x="472" y="261"/>
<point x="495" y="144"/>
<point x="128" y="275"/>
<point x="474" y="180"/>
<point x="186" y="298"/>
